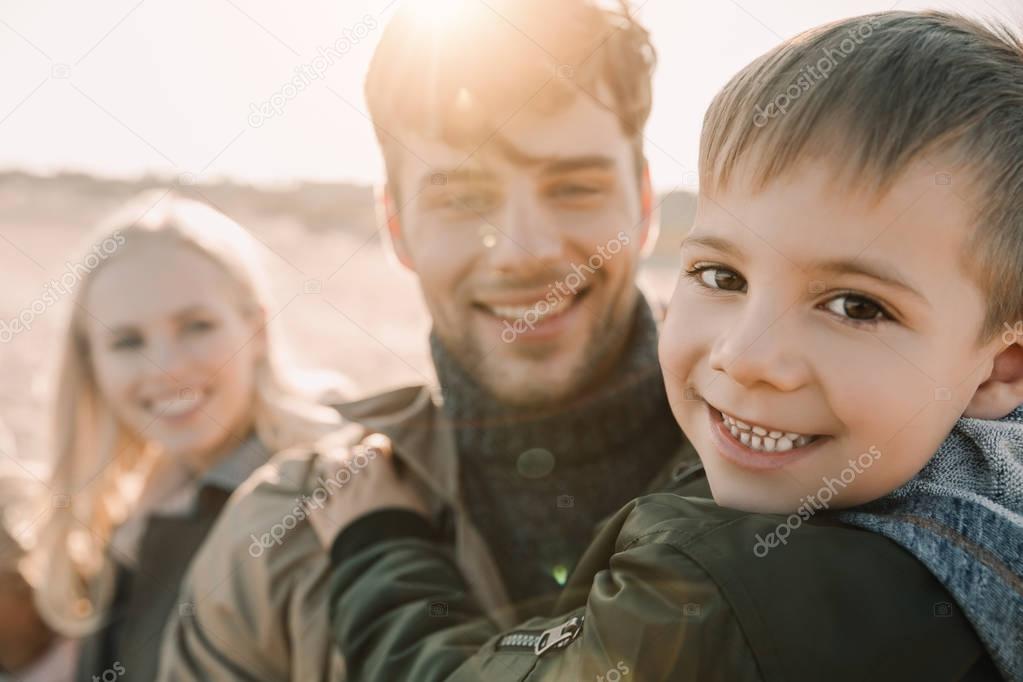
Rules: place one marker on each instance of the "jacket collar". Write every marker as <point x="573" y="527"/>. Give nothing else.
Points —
<point x="231" y="470"/>
<point x="423" y="438"/>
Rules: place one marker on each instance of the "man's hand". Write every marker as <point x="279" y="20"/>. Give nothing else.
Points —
<point x="367" y="482"/>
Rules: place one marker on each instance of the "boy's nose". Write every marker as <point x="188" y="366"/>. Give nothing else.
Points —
<point x="761" y="349"/>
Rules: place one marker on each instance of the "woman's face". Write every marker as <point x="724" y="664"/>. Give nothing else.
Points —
<point x="172" y="348"/>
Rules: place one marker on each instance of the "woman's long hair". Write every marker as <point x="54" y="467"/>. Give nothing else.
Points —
<point x="95" y="456"/>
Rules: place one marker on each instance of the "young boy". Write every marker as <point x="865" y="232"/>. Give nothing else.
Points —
<point x="843" y="349"/>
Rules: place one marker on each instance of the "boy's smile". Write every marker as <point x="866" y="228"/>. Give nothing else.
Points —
<point x="813" y="322"/>
<point x="756" y="446"/>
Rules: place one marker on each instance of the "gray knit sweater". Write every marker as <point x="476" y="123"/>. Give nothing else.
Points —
<point x="536" y="483"/>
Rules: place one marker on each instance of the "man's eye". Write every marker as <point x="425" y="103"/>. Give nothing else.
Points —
<point x="573" y="190"/>
<point x="715" y="277"/>
<point x="477" y="202"/>
<point x="857" y="308"/>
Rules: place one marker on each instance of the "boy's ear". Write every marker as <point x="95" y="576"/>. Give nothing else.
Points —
<point x="1002" y="391"/>
<point x="649" y="226"/>
<point x="387" y="210"/>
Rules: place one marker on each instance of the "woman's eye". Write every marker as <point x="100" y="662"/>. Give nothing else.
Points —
<point x="720" y="278"/>
<point x="199" y="326"/>
<point x="131" y="342"/>
<point x="857" y="308"/>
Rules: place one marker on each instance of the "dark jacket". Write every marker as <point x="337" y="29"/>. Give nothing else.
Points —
<point x="146" y="595"/>
<point x="262" y="615"/>
<point x="671" y="589"/>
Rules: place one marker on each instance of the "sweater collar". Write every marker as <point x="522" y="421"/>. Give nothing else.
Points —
<point x="605" y="416"/>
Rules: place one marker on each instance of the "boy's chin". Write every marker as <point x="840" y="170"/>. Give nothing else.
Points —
<point x="745" y="496"/>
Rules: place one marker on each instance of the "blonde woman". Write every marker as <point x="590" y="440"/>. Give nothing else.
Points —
<point x="172" y="390"/>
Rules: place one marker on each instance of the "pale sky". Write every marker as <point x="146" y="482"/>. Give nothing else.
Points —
<point x="122" y="87"/>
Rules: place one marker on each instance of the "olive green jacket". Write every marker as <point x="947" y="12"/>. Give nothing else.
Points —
<point x="673" y="588"/>
<point x="257" y="591"/>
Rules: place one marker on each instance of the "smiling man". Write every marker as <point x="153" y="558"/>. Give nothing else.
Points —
<point x="518" y="193"/>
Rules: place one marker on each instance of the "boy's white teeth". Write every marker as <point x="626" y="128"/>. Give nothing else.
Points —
<point x="761" y="438"/>
<point x="519" y="312"/>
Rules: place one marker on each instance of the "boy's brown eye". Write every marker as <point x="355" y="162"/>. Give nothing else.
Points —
<point x="720" y="278"/>
<point x="861" y="308"/>
<point x="857" y="308"/>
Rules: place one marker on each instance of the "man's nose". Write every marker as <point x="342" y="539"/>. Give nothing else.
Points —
<point x="524" y="238"/>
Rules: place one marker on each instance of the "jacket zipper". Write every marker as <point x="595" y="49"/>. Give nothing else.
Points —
<point x="539" y="642"/>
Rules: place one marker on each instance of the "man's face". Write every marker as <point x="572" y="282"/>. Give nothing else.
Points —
<point x="527" y="248"/>
<point x="819" y="343"/>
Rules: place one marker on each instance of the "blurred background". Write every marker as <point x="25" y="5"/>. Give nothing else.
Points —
<point x="101" y="100"/>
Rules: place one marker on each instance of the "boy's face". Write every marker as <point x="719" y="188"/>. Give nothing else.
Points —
<point x="811" y="310"/>
<point x="494" y="235"/>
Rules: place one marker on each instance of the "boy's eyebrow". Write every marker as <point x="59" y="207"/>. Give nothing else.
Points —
<point x="716" y="243"/>
<point x="877" y="271"/>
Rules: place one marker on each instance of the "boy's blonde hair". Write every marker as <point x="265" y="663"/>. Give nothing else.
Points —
<point x="93" y="454"/>
<point x="877" y="93"/>
<point x="459" y="83"/>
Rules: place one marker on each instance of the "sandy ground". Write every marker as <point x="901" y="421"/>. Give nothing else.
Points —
<point x="339" y="300"/>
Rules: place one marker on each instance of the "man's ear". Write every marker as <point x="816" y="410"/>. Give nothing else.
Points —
<point x="390" y="220"/>
<point x="649" y="226"/>
<point x="1002" y="391"/>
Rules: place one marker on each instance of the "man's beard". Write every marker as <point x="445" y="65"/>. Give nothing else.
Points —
<point x="526" y="382"/>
